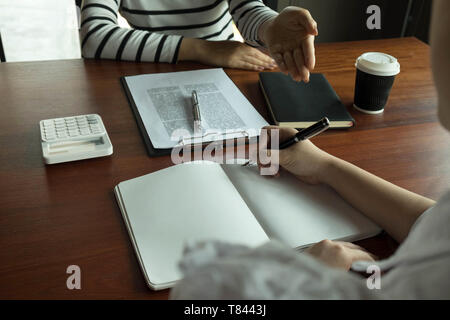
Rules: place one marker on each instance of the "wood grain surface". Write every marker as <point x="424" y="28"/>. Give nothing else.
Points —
<point x="66" y="214"/>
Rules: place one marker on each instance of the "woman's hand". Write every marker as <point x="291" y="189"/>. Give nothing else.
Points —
<point x="337" y="254"/>
<point x="228" y="54"/>
<point x="290" y="40"/>
<point x="303" y="159"/>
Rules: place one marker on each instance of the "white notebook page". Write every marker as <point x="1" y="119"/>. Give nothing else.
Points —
<point x="187" y="202"/>
<point x="296" y="213"/>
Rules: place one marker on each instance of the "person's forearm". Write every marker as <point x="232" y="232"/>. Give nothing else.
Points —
<point x="391" y="207"/>
<point x="249" y="17"/>
<point x="191" y="49"/>
<point x="262" y="30"/>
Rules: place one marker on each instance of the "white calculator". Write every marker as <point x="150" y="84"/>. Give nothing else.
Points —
<point x="74" y="138"/>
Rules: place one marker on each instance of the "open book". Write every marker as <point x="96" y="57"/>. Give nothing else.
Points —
<point x="232" y="203"/>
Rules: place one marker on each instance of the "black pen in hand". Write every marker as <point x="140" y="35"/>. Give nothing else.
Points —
<point x="307" y="133"/>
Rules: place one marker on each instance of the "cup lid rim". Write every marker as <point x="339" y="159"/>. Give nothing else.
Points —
<point x="383" y="64"/>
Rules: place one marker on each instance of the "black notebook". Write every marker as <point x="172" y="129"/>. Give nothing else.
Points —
<point x="299" y="105"/>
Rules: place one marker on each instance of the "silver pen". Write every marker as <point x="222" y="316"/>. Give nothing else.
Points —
<point x="196" y="113"/>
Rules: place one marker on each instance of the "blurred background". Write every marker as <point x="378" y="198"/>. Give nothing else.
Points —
<point x="340" y="20"/>
<point x="48" y="29"/>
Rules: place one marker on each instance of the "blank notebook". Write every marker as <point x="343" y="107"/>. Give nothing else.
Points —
<point x="299" y="105"/>
<point x="231" y="203"/>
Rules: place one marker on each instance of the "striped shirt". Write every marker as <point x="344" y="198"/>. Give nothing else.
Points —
<point x="159" y="26"/>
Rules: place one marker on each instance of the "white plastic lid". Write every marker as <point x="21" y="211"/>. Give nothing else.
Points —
<point x="378" y="64"/>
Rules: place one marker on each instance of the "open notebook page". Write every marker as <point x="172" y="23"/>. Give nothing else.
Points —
<point x="164" y="104"/>
<point x="296" y="213"/>
<point x="188" y="202"/>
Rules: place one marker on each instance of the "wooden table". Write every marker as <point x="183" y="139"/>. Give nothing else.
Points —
<point x="60" y="215"/>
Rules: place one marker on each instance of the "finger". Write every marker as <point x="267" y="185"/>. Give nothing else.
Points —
<point x="309" y="52"/>
<point x="300" y="63"/>
<point x="260" y="63"/>
<point x="290" y="64"/>
<point x="269" y="158"/>
<point x="264" y="137"/>
<point x="350" y="245"/>
<point x="358" y="255"/>
<point x="308" y="22"/>
<point x="249" y="66"/>
<point x="263" y="142"/>
<point x="353" y="246"/>
<point x="284" y="133"/>
<point x="278" y="57"/>
<point x="263" y="150"/>
<point x="263" y="57"/>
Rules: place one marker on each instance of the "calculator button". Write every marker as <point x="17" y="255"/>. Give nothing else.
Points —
<point x="53" y="130"/>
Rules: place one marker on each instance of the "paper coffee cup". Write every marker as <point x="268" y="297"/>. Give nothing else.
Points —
<point x="375" y="75"/>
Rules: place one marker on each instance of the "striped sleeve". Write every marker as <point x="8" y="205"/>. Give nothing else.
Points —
<point x="249" y="15"/>
<point x="102" y="38"/>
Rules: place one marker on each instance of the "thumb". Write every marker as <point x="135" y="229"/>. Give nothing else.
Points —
<point x="269" y="162"/>
<point x="270" y="157"/>
<point x="308" y="22"/>
<point x="359" y="255"/>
